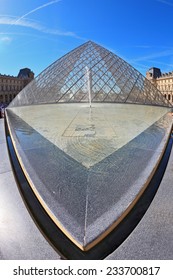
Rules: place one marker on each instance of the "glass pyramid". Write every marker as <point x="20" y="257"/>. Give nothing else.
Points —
<point x="90" y="68"/>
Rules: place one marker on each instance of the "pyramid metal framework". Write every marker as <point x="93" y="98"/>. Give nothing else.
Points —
<point x="93" y="68"/>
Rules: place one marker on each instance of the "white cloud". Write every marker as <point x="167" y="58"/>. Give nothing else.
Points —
<point x="165" y="2"/>
<point x="6" y="39"/>
<point x="38" y="8"/>
<point x="10" y="20"/>
<point x="142" y="46"/>
<point x="168" y="52"/>
<point x="22" y="21"/>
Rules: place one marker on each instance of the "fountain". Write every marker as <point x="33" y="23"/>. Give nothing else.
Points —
<point x="88" y="75"/>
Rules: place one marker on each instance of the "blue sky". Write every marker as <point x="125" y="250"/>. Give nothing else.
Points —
<point x="35" y="33"/>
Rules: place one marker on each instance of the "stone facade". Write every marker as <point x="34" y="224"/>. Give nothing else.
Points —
<point x="10" y="86"/>
<point x="163" y="82"/>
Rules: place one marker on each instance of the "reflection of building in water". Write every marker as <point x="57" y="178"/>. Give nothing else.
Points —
<point x="10" y="86"/>
<point x="163" y="82"/>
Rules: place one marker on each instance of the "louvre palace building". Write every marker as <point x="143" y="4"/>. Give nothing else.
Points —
<point x="11" y="85"/>
<point x="163" y="82"/>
